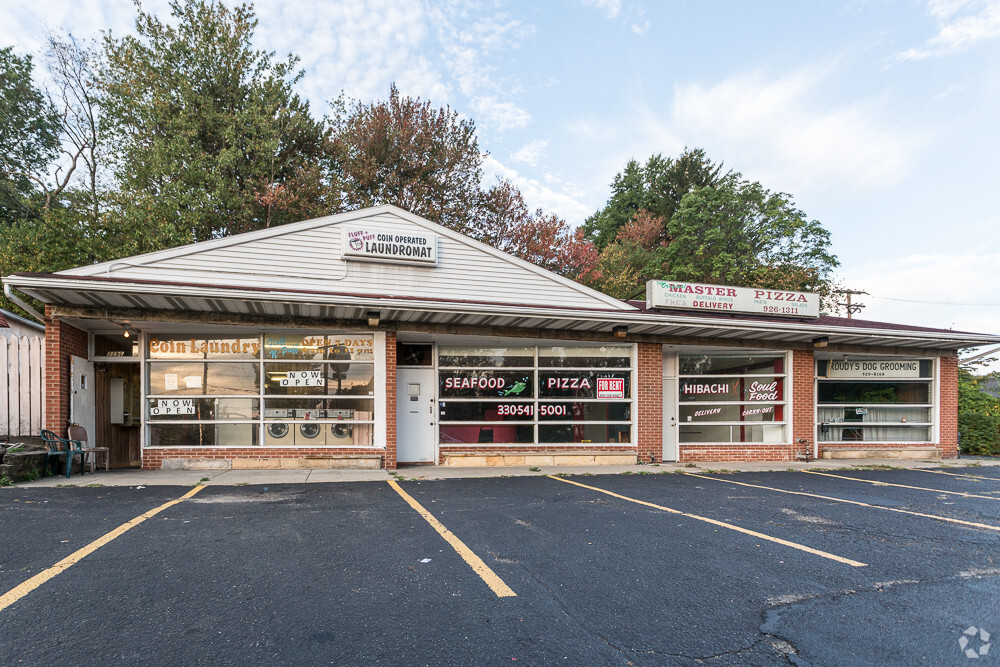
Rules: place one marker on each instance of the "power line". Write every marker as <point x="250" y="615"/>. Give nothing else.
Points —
<point x="937" y="303"/>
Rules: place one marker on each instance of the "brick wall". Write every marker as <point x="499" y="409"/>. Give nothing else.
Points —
<point x="740" y="452"/>
<point x="389" y="461"/>
<point x="949" y="406"/>
<point x="153" y="459"/>
<point x="649" y="402"/>
<point x="61" y="342"/>
<point x="803" y="397"/>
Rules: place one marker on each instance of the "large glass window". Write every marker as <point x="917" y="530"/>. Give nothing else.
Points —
<point x="275" y="389"/>
<point x="525" y="395"/>
<point x="874" y="400"/>
<point x="732" y="398"/>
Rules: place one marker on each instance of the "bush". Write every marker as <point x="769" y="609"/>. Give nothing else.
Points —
<point x="979" y="434"/>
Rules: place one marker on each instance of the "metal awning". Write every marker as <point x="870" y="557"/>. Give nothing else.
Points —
<point x="91" y="293"/>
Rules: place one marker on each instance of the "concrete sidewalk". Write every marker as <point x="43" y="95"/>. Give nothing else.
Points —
<point x="132" y="477"/>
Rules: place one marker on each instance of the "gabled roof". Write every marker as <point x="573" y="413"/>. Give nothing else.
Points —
<point x="298" y="272"/>
<point x="309" y="256"/>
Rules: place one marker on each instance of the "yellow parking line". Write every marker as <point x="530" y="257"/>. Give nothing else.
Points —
<point x="852" y="502"/>
<point x="723" y="524"/>
<point x="958" y="474"/>
<point x="495" y="583"/>
<point x="18" y="592"/>
<point x="902" y="486"/>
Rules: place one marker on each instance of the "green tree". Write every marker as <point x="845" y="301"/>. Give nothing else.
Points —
<point x="29" y="139"/>
<point x="738" y="233"/>
<point x="978" y="409"/>
<point x="656" y="188"/>
<point x="205" y="135"/>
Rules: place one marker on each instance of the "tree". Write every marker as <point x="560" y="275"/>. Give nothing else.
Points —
<point x="206" y="136"/>
<point x="404" y="151"/>
<point x="738" y="233"/>
<point x="978" y="409"/>
<point x="684" y="219"/>
<point x="29" y="138"/>
<point x="656" y="187"/>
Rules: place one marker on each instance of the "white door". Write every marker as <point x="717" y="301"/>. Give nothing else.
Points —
<point x="670" y="419"/>
<point x="83" y="402"/>
<point x="416" y="434"/>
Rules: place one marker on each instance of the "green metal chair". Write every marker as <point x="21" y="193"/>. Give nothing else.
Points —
<point x="59" y="447"/>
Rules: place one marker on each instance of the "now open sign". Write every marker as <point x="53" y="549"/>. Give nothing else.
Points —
<point x="610" y="387"/>
<point x="172" y="406"/>
<point x="304" y="379"/>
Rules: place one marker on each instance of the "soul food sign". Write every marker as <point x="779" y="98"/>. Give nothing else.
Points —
<point x="721" y="298"/>
<point x="379" y="244"/>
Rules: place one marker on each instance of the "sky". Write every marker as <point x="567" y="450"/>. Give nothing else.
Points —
<point x="879" y="118"/>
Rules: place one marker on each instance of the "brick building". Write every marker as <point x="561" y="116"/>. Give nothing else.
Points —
<point x="375" y="338"/>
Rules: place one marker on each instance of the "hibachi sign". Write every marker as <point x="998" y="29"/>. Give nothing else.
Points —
<point x="725" y="299"/>
<point x="379" y="244"/>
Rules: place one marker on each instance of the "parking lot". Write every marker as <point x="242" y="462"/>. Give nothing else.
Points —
<point x="826" y="568"/>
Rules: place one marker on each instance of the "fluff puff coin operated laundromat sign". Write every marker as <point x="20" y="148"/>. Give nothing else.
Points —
<point x="379" y="244"/>
<point x="726" y="299"/>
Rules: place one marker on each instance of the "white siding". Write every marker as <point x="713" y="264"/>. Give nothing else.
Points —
<point x="308" y="257"/>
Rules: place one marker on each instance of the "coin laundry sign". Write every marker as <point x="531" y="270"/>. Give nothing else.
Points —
<point x="378" y="244"/>
<point x="721" y="298"/>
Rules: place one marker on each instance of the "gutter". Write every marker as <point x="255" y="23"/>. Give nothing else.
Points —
<point x="617" y="317"/>
<point x="9" y="293"/>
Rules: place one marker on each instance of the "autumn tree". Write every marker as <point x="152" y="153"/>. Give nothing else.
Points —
<point x="205" y="133"/>
<point x="686" y="219"/>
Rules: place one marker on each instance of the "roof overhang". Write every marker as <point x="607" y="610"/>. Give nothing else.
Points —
<point x="110" y="294"/>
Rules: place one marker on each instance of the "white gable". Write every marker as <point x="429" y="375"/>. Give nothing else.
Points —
<point x="308" y="256"/>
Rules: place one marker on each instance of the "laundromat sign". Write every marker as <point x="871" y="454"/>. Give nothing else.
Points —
<point x="725" y="299"/>
<point x="379" y="244"/>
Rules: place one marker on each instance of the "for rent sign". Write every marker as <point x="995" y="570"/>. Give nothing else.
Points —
<point x="725" y="299"/>
<point x="380" y="244"/>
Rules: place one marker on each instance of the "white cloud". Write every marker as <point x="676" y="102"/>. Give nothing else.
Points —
<point x="961" y="25"/>
<point x="564" y="199"/>
<point x="611" y="8"/>
<point x="777" y="129"/>
<point x="468" y="42"/>
<point x="529" y="153"/>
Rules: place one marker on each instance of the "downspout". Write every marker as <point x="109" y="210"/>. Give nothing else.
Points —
<point x="9" y="293"/>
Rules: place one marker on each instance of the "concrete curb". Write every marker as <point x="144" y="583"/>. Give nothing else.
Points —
<point x="133" y="478"/>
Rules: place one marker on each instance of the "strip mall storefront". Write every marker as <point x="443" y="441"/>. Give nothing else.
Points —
<point x="414" y="344"/>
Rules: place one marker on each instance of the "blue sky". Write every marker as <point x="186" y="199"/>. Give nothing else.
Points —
<point x="880" y="118"/>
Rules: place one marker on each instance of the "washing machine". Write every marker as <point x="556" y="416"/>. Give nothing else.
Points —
<point x="309" y="433"/>
<point x="340" y="434"/>
<point x="278" y="432"/>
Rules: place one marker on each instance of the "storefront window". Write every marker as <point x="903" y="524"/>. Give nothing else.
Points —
<point x="306" y="389"/>
<point x="484" y="400"/>
<point x="874" y="400"/>
<point x="732" y="398"/>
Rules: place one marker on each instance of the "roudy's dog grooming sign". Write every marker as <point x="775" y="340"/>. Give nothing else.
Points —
<point x="725" y="299"/>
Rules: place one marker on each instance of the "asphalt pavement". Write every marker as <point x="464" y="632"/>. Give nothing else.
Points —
<point x="667" y="565"/>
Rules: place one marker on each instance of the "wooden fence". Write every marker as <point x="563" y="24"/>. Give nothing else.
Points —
<point x="21" y="385"/>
